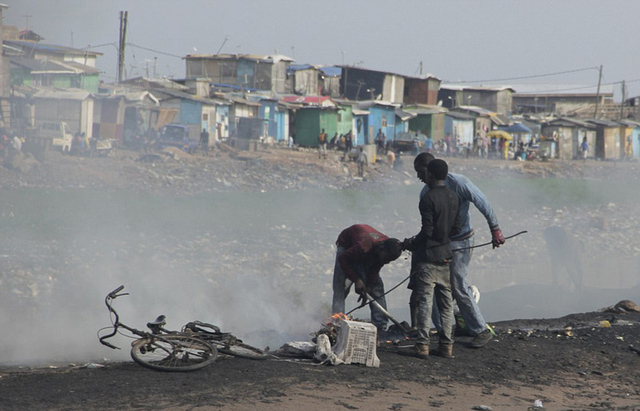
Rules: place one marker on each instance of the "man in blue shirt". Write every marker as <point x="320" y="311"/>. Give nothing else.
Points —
<point x="468" y="193"/>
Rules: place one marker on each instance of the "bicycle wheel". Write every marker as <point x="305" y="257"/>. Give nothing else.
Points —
<point x="242" y="350"/>
<point x="173" y="352"/>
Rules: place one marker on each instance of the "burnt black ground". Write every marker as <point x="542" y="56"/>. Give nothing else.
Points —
<point x="525" y="353"/>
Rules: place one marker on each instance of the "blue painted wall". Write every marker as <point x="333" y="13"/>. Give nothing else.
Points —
<point x="360" y="133"/>
<point x="379" y="115"/>
<point x="281" y="119"/>
<point x="268" y="109"/>
<point x="190" y="112"/>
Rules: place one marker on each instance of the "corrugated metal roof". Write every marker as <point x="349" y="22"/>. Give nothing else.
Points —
<point x="240" y="100"/>
<point x="427" y="76"/>
<point x="459" y="87"/>
<point x="459" y="116"/>
<point x="41" y="66"/>
<point x="532" y="90"/>
<point x="605" y="123"/>
<point x="158" y="92"/>
<point x="569" y="121"/>
<point x="321" y="101"/>
<point x="34" y="65"/>
<point x="629" y="123"/>
<point x="425" y="109"/>
<point x="61" y="94"/>
<point x="404" y="115"/>
<point x="32" y="45"/>
<point x="258" y="57"/>
<point x="370" y="103"/>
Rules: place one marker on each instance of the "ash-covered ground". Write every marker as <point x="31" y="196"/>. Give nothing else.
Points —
<point x="245" y="240"/>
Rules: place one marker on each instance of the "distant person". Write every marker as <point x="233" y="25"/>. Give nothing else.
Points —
<point x="432" y="255"/>
<point x="322" y="144"/>
<point x="348" y="142"/>
<point x="429" y="144"/>
<point x="361" y="253"/>
<point x="584" y="148"/>
<point x="468" y="193"/>
<point x="333" y="143"/>
<point x="204" y="142"/>
<point x="362" y="162"/>
<point x="290" y="142"/>
<point x="565" y="256"/>
<point x="391" y="157"/>
<point x="16" y="143"/>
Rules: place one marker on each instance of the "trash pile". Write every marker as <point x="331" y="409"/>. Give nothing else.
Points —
<point x="340" y="341"/>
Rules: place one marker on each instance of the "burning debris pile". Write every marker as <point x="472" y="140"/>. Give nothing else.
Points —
<point x="342" y="340"/>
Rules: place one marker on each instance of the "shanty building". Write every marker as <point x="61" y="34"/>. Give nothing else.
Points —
<point x="630" y="133"/>
<point x="428" y="120"/>
<point x="357" y="83"/>
<point x="245" y="71"/>
<point x="51" y="73"/>
<point x="581" y="103"/>
<point x="494" y="99"/>
<point x="460" y="127"/>
<point x="381" y="116"/>
<point x="568" y="133"/>
<point x="73" y="106"/>
<point x="309" y="80"/>
<point x="41" y="51"/>
<point x="192" y="111"/>
<point x="312" y="116"/>
<point x="608" y="142"/>
<point x="421" y="90"/>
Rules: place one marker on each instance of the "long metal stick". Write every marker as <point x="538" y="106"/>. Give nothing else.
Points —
<point x="376" y="304"/>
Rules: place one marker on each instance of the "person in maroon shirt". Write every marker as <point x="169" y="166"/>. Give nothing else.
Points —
<point x="362" y="252"/>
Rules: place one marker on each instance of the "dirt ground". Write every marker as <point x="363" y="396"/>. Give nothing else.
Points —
<point x="586" y="367"/>
<point x="570" y="363"/>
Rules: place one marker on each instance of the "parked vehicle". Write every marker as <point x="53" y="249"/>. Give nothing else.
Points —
<point x="59" y="133"/>
<point x="405" y="142"/>
<point x="177" y="135"/>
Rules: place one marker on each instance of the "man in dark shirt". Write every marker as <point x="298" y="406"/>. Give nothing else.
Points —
<point x="204" y="141"/>
<point x="432" y="255"/>
<point x="362" y="252"/>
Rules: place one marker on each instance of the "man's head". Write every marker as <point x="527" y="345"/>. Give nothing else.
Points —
<point x="420" y="164"/>
<point x="388" y="250"/>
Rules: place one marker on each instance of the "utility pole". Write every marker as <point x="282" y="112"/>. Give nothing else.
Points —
<point x="622" y="100"/>
<point x="123" y="35"/>
<point x="27" y="17"/>
<point x="595" y="114"/>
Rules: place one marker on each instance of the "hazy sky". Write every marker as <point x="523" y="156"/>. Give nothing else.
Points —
<point x="455" y="40"/>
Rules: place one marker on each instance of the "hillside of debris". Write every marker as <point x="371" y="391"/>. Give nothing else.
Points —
<point x="268" y="168"/>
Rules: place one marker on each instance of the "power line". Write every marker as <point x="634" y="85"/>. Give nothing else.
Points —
<point x="154" y="51"/>
<point x="526" y="77"/>
<point x="581" y="87"/>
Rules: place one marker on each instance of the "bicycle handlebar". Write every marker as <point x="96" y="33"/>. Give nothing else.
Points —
<point x="113" y="294"/>
<point x="116" y="323"/>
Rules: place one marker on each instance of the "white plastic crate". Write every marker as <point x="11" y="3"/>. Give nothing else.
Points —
<point x="356" y="343"/>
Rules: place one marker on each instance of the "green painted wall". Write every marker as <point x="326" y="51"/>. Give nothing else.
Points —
<point x="345" y="119"/>
<point x="309" y="123"/>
